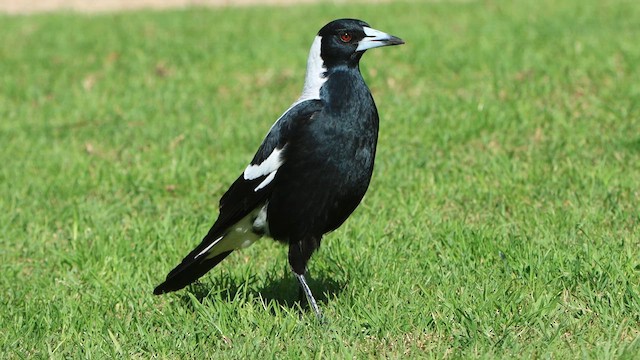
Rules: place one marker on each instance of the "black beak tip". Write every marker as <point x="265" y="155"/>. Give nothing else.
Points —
<point x="395" y="41"/>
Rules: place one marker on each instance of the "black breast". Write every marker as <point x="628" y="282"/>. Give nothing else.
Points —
<point x="329" y="162"/>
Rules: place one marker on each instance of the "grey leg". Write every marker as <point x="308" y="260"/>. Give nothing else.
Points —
<point x="309" y="295"/>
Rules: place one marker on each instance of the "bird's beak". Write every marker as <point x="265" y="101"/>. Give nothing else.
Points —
<point x="376" y="38"/>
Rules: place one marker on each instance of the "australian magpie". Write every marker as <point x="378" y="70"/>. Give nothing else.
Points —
<point x="313" y="167"/>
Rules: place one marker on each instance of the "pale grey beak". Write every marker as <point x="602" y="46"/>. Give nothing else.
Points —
<point x="376" y="38"/>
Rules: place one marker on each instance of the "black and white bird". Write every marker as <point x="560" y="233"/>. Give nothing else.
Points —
<point x="313" y="167"/>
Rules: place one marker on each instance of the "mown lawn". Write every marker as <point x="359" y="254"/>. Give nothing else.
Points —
<point x="502" y="222"/>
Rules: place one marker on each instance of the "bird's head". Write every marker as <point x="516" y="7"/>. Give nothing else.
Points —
<point x="344" y="41"/>
<point x="340" y="43"/>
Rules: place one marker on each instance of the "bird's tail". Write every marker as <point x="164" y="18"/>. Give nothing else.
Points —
<point x="188" y="271"/>
<point x="215" y="247"/>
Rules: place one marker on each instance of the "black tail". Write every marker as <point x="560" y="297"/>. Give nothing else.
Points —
<point x="187" y="272"/>
<point x="239" y="201"/>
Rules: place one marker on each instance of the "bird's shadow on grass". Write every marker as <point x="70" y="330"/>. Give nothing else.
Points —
<point x="283" y="290"/>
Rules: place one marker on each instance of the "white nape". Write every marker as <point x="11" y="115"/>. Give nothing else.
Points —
<point x="315" y="77"/>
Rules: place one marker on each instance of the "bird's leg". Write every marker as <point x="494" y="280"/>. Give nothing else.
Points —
<point x="299" y="253"/>
<point x="302" y="293"/>
<point x="301" y="296"/>
<point x="307" y="292"/>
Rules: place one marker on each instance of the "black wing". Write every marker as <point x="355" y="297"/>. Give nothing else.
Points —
<point x="245" y="195"/>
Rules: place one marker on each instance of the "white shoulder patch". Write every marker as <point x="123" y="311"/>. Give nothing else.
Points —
<point x="268" y="167"/>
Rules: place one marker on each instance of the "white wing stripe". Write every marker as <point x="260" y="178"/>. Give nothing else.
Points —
<point x="266" y="181"/>
<point x="268" y="166"/>
<point x="209" y="247"/>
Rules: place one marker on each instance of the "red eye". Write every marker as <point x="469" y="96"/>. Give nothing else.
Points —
<point x="345" y="37"/>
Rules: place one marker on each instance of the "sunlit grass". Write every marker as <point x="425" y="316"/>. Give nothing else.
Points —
<point x="502" y="220"/>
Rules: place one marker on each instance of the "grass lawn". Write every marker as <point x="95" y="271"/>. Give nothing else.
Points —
<point x="503" y="220"/>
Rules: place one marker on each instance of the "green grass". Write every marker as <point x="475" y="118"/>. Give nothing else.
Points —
<point x="503" y="219"/>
